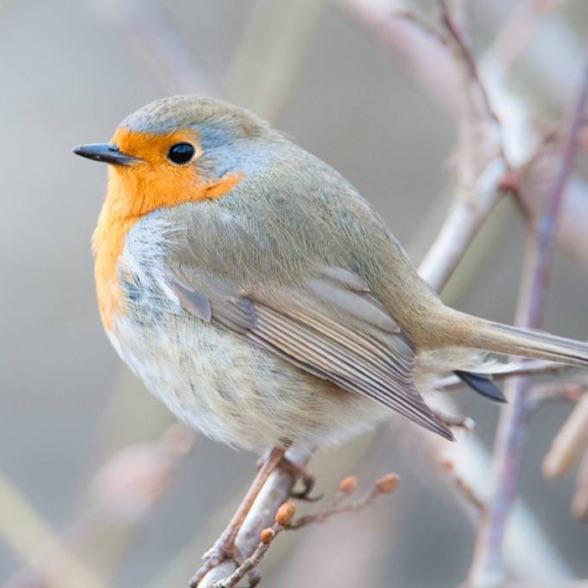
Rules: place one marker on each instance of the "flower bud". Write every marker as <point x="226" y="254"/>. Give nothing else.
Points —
<point x="285" y="513"/>
<point x="348" y="484"/>
<point x="387" y="484"/>
<point x="267" y="536"/>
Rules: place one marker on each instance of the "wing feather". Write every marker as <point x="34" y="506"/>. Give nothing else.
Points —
<point x="332" y="327"/>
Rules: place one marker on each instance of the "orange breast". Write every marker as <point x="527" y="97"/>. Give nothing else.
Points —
<point x="134" y="192"/>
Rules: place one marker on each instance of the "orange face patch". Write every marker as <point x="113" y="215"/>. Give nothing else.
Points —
<point x="138" y="189"/>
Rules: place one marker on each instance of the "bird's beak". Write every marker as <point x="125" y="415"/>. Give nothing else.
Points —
<point x="108" y="153"/>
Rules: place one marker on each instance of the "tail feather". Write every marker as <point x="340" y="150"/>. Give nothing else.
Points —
<point x="530" y="343"/>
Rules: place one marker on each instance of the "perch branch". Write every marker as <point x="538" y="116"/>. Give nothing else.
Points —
<point x="284" y="521"/>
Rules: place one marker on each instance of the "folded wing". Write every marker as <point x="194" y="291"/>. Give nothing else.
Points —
<point x="331" y="326"/>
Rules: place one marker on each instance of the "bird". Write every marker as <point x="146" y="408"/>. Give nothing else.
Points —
<point x="260" y="296"/>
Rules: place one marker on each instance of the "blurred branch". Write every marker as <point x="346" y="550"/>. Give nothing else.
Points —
<point x="125" y="490"/>
<point x="566" y="391"/>
<point x="157" y="44"/>
<point x="36" y="543"/>
<point x="488" y="568"/>
<point x="580" y="499"/>
<point x="570" y="442"/>
<point x="462" y="486"/>
<point x="414" y="50"/>
<point x="521" y="25"/>
<point x="271" y="52"/>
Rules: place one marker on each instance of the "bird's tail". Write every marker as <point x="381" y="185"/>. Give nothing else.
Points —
<point x="508" y="340"/>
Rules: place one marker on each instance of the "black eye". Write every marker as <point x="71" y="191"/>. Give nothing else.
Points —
<point x="181" y="153"/>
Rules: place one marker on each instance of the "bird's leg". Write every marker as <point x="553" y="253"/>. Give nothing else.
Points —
<point x="224" y="547"/>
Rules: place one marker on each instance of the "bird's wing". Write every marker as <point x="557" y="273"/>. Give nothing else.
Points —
<point x="332" y="326"/>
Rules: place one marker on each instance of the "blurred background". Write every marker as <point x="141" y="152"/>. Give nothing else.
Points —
<point x="69" y="72"/>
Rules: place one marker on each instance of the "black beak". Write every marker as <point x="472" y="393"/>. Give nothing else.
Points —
<point x="105" y="152"/>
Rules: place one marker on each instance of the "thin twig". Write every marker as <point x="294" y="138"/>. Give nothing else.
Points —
<point x="549" y="392"/>
<point x="423" y="23"/>
<point x="467" y="58"/>
<point x="384" y="485"/>
<point x="465" y="489"/>
<point x="158" y="45"/>
<point x="456" y="421"/>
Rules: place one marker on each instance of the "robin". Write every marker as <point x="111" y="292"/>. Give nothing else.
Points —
<point x="259" y="295"/>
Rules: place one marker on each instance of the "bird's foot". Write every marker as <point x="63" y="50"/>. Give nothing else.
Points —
<point x="298" y="472"/>
<point x="223" y="549"/>
<point x="307" y="479"/>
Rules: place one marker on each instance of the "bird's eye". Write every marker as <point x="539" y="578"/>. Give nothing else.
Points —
<point x="181" y="153"/>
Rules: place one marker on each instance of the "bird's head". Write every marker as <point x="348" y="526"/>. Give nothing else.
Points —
<point x="181" y="149"/>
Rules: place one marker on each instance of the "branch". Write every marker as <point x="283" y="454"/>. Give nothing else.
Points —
<point x="570" y="442"/>
<point x="284" y="521"/>
<point x="413" y="50"/>
<point x="580" y="499"/>
<point x="31" y="538"/>
<point x="385" y="485"/>
<point x="488" y="567"/>
<point x="275" y="492"/>
<point x="569" y="392"/>
<point x="125" y="490"/>
<point x="157" y="45"/>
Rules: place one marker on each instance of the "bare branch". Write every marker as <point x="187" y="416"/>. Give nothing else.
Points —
<point x="556" y="391"/>
<point x="580" y="499"/>
<point x="488" y="567"/>
<point x="466" y="490"/>
<point x="125" y="490"/>
<point x="283" y="522"/>
<point x="157" y="45"/>
<point x="275" y="492"/>
<point x="466" y="58"/>
<point x="385" y="485"/>
<point x="570" y="442"/>
<point x="414" y="50"/>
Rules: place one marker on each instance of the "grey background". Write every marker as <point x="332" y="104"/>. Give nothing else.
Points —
<point x="67" y="77"/>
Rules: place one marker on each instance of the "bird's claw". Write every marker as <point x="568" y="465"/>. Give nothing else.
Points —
<point x="308" y="481"/>
<point x="223" y="549"/>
